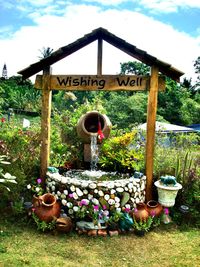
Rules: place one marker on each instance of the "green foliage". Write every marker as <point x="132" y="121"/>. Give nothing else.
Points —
<point x="143" y="225"/>
<point x="134" y="67"/>
<point x="122" y="153"/>
<point x="5" y="178"/>
<point x="42" y="225"/>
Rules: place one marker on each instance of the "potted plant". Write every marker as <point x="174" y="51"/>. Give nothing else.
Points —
<point x="142" y="226"/>
<point x="167" y="188"/>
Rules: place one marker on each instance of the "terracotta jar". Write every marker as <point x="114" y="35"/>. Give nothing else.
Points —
<point x="140" y="213"/>
<point x="154" y="208"/>
<point x="47" y="208"/>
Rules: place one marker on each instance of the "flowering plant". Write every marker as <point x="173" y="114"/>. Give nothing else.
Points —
<point x="36" y="188"/>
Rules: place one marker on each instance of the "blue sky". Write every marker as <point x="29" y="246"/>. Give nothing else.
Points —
<point x="166" y="29"/>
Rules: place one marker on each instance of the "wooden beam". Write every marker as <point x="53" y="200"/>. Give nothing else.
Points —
<point x="45" y="123"/>
<point x="99" y="56"/>
<point x="150" y="133"/>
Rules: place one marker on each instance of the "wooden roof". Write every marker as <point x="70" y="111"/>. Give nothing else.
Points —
<point x="102" y="34"/>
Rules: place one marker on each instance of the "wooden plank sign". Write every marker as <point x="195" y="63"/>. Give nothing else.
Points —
<point x="95" y="82"/>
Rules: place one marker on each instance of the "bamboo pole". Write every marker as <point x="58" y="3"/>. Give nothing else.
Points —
<point x="150" y="132"/>
<point x="45" y="123"/>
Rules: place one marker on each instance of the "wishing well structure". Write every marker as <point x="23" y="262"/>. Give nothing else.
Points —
<point x="153" y="83"/>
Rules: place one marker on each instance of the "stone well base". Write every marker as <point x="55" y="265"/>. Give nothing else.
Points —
<point x="115" y="195"/>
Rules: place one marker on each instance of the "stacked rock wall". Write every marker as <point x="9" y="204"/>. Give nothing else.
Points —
<point x="117" y="194"/>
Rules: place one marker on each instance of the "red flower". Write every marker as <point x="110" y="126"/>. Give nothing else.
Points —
<point x="3" y="120"/>
<point x="99" y="132"/>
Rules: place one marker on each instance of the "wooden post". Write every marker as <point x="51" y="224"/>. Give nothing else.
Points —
<point x="150" y="132"/>
<point x="45" y="122"/>
<point x="99" y="57"/>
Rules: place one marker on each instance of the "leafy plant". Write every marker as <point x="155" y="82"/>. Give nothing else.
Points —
<point x="7" y="177"/>
<point x="123" y="153"/>
<point x="42" y="225"/>
<point x="143" y="225"/>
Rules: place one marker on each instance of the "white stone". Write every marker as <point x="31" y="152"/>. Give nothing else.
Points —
<point x="58" y="193"/>
<point x="101" y="193"/>
<point x="95" y="201"/>
<point x="132" y="200"/>
<point x="64" y="180"/>
<point x="137" y="200"/>
<point x="64" y="202"/>
<point x="95" y="191"/>
<point x="142" y="186"/>
<point x="70" y="211"/>
<point x="85" y="191"/>
<point x="72" y="188"/>
<point x="110" y="185"/>
<point x="75" y="208"/>
<point x="79" y="192"/>
<point x="128" y="206"/>
<point x="65" y="192"/>
<point x="126" y="188"/>
<point x="63" y="196"/>
<point x="53" y="188"/>
<point x="117" y="205"/>
<point x="111" y="201"/>
<point x="112" y="191"/>
<point x="69" y="205"/>
<point x="84" y="184"/>
<point x="130" y="190"/>
<point x="120" y="189"/>
<point x="92" y="186"/>
<point x="130" y="185"/>
<point x="134" y="189"/>
<point x="90" y="196"/>
<point x="117" y="199"/>
<point x="107" y="197"/>
<point x="75" y="196"/>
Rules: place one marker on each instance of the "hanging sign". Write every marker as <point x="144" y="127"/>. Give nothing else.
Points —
<point x="94" y="82"/>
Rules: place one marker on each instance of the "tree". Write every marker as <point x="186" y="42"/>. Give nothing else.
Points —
<point x="46" y="52"/>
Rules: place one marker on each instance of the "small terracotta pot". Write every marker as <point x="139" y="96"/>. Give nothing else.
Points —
<point x="47" y="208"/>
<point x="154" y="208"/>
<point x="141" y="213"/>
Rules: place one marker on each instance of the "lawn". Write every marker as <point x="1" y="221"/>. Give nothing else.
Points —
<point x="22" y="245"/>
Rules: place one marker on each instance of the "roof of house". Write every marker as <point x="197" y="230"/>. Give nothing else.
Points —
<point x="102" y="34"/>
<point x="166" y="127"/>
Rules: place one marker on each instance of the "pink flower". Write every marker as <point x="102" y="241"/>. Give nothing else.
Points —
<point x="96" y="207"/>
<point x="39" y="180"/>
<point x="71" y="195"/>
<point x="127" y="210"/>
<point x="153" y="213"/>
<point x="83" y="202"/>
<point x="135" y="210"/>
<point x="104" y="207"/>
<point x="166" y="211"/>
<point x="33" y="209"/>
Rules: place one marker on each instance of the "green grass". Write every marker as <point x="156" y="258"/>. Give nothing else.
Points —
<point x="22" y="245"/>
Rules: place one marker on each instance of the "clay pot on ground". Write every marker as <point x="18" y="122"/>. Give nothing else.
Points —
<point x="64" y="225"/>
<point x="47" y="208"/>
<point x="154" y="208"/>
<point x="141" y="212"/>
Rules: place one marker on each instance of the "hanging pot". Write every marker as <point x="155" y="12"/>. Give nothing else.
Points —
<point x="141" y="212"/>
<point x="47" y="208"/>
<point x="154" y="208"/>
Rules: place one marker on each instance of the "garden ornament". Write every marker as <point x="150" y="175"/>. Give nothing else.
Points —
<point x="52" y="169"/>
<point x="168" y="180"/>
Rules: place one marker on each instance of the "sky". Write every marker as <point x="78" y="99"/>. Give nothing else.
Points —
<point x="166" y="29"/>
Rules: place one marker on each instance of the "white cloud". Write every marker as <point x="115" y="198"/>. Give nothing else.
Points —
<point x="168" y="6"/>
<point x="158" y="39"/>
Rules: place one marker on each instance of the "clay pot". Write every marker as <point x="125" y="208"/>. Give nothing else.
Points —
<point x="140" y="213"/>
<point x="154" y="208"/>
<point x="64" y="225"/>
<point x="47" y="208"/>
